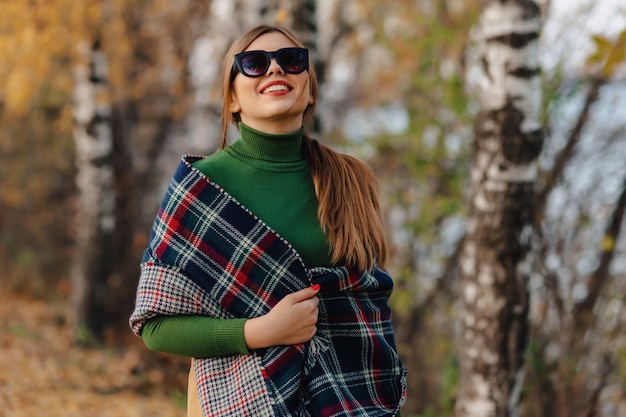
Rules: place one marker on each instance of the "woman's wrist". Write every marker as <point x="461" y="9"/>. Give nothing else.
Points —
<point x="255" y="334"/>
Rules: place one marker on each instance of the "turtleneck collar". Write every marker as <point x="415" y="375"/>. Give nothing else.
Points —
<point x="269" y="147"/>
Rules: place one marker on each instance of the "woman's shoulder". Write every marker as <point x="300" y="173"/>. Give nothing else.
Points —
<point x="211" y="163"/>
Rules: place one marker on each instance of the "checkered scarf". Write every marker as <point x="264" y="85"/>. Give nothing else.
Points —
<point x="209" y="255"/>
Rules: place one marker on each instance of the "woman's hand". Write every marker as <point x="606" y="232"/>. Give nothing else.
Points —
<point x="292" y="321"/>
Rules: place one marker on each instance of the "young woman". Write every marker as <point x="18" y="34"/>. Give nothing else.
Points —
<point x="265" y="259"/>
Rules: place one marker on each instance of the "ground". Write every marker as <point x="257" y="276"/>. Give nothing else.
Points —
<point x="43" y="373"/>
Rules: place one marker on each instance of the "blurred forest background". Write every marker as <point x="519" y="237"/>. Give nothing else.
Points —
<point x="99" y="99"/>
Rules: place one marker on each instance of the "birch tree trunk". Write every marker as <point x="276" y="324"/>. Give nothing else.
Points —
<point x="129" y="102"/>
<point x="95" y="220"/>
<point x="508" y="140"/>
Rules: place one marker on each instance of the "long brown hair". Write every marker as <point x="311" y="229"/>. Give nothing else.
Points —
<point x="346" y="189"/>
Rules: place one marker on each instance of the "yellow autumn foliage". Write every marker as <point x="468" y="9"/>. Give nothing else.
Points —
<point x="35" y="39"/>
<point x="40" y="44"/>
<point x="608" y="54"/>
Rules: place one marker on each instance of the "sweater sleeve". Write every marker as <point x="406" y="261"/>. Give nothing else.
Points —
<point x="195" y="336"/>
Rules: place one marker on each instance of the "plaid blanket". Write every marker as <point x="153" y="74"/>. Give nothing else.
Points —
<point x="210" y="255"/>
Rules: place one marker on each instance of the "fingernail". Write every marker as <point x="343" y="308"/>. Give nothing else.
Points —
<point x="315" y="287"/>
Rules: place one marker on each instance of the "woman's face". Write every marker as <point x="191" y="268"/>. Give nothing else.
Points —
<point x="278" y="109"/>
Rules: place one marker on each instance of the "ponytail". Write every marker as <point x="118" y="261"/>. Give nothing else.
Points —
<point x="349" y="212"/>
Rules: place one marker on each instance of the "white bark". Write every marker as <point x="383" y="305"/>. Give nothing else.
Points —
<point x="95" y="220"/>
<point x="507" y="144"/>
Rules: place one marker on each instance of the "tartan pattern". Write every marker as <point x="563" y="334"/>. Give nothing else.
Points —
<point x="361" y="359"/>
<point x="210" y="255"/>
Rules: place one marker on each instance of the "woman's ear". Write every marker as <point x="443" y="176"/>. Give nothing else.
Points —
<point x="234" y="103"/>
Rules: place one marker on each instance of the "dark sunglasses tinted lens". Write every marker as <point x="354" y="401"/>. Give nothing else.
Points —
<point x="292" y="60"/>
<point x="254" y="64"/>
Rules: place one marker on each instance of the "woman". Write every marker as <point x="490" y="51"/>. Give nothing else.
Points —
<point x="265" y="259"/>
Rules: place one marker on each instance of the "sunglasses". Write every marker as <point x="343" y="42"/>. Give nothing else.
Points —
<point x="256" y="63"/>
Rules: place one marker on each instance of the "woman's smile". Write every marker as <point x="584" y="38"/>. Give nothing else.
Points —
<point x="276" y="88"/>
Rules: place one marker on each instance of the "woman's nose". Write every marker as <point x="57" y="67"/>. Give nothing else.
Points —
<point x="274" y="67"/>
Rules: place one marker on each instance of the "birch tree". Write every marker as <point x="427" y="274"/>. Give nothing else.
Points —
<point x="95" y="221"/>
<point x="508" y="140"/>
<point x="130" y="94"/>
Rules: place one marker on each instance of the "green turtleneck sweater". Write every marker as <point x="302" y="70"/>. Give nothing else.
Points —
<point x="268" y="175"/>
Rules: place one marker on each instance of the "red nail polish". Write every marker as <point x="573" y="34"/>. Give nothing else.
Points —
<point x="315" y="287"/>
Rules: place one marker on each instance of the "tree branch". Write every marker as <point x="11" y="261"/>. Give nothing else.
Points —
<point x="551" y="178"/>
<point x="583" y="309"/>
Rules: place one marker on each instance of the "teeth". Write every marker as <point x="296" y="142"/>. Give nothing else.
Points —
<point x="276" y="87"/>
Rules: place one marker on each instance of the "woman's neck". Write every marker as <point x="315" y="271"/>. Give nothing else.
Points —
<point x="270" y="147"/>
<point x="275" y="127"/>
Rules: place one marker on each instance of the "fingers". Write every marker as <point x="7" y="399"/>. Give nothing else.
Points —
<point x="304" y="294"/>
<point x="293" y="320"/>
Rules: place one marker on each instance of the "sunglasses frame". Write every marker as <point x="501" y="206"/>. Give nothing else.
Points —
<point x="238" y="62"/>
